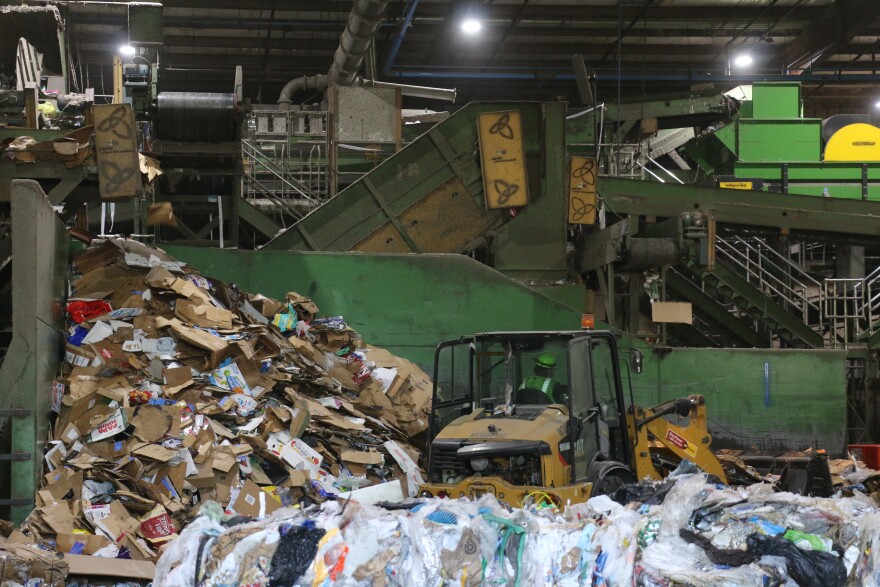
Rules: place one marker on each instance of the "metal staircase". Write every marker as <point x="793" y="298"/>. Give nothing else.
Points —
<point x="715" y="318"/>
<point x="780" y="279"/>
<point x="265" y="177"/>
<point x="754" y="296"/>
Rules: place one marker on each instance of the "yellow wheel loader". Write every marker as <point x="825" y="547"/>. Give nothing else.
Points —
<point x="539" y="417"/>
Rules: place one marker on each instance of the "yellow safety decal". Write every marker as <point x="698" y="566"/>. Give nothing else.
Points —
<point x="736" y="185"/>
<point x="503" y="160"/>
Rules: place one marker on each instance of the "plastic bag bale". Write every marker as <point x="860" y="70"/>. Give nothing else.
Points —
<point x="371" y="532"/>
<point x="866" y="570"/>
<point x="808" y="568"/>
<point x="731" y="557"/>
<point x="464" y="565"/>
<point x="646" y="492"/>
<point x="249" y="561"/>
<point x="552" y="555"/>
<point x="296" y="550"/>
<point x="686" y="496"/>
<point x="223" y="547"/>
<point x="614" y="542"/>
<point x="427" y="540"/>
<point x="178" y="566"/>
<point x="680" y="562"/>
<point x="848" y="513"/>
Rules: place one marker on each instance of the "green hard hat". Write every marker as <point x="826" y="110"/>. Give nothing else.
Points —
<point x="546" y="360"/>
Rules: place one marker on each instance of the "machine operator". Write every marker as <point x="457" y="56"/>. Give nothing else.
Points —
<point x="544" y="381"/>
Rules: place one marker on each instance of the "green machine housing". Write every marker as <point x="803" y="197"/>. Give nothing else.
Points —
<point x="771" y="144"/>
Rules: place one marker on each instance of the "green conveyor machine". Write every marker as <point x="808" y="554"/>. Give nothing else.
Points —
<point x="768" y="145"/>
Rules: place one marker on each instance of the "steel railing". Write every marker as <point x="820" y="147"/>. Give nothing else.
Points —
<point x="782" y="280"/>
<point x="872" y="301"/>
<point x="844" y="311"/>
<point x="844" y="301"/>
<point x="290" y="186"/>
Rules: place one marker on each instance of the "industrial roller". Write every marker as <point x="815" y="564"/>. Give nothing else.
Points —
<point x="196" y="117"/>
<point x="648" y="253"/>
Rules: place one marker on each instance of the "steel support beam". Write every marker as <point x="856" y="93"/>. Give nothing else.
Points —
<point x="258" y="220"/>
<point x="840" y="22"/>
<point x="793" y="212"/>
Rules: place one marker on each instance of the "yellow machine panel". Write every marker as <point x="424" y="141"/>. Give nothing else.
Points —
<point x="503" y="160"/>
<point x="855" y="142"/>
<point x="119" y="172"/>
<point x="582" y="190"/>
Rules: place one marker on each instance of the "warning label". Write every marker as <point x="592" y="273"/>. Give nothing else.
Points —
<point x="681" y="443"/>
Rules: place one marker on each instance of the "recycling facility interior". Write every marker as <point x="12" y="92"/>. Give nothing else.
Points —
<point x="232" y="236"/>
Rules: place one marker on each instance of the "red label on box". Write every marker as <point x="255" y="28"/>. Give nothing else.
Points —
<point x="158" y="527"/>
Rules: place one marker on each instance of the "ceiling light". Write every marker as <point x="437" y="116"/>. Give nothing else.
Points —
<point x="743" y="60"/>
<point x="127" y="50"/>
<point x="877" y="104"/>
<point x="471" y="26"/>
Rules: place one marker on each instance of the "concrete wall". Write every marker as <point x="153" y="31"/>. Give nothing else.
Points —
<point x="39" y="271"/>
<point x="803" y="406"/>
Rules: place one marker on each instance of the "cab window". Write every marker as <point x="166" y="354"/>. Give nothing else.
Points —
<point x="582" y="433"/>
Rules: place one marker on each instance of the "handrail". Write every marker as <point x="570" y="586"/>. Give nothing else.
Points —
<point x="254" y="153"/>
<point x="793" y="296"/>
<point x="272" y="196"/>
<point x="791" y="265"/>
<point x="264" y="161"/>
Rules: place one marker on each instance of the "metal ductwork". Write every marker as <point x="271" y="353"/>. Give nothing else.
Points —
<point x="320" y="82"/>
<point x="356" y="38"/>
<point x="310" y="82"/>
<point x="445" y="94"/>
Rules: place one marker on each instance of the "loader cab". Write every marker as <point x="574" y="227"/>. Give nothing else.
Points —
<point x="485" y="378"/>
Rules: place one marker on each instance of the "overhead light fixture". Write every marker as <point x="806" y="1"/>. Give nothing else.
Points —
<point x="743" y="60"/>
<point x="127" y="50"/>
<point x="877" y="104"/>
<point x="471" y="26"/>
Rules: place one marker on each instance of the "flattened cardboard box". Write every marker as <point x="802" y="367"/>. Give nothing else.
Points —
<point x="253" y="502"/>
<point x="84" y="543"/>
<point x="95" y="566"/>
<point x="21" y="563"/>
<point x="203" y="315"/>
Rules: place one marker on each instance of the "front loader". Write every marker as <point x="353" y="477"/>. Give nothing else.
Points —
<point x="541" y="417"/>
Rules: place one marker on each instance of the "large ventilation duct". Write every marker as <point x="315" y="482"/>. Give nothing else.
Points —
<point x="356" y="38"/>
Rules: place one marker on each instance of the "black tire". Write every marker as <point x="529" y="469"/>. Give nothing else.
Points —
<point x="609" y="476"/>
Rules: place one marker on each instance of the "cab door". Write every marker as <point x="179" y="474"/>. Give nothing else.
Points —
<point x="583" y="439"/>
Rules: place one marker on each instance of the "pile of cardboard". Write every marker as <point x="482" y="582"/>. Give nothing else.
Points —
<point x="178" y="389"/>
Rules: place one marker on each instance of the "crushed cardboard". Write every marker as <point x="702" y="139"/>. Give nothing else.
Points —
<point x="178" y="389"/>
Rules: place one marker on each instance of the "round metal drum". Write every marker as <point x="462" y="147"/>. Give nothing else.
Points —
<point x="196" y="117"/>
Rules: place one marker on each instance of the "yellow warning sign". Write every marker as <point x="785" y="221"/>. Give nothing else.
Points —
<point x="582" y="190"/>
<point x="736" y="185"/>
<point x="502" y="158"/>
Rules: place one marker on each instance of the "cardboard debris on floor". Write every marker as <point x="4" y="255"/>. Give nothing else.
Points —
<point x="178" y="389"/>
<point x="681" y="531"/>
